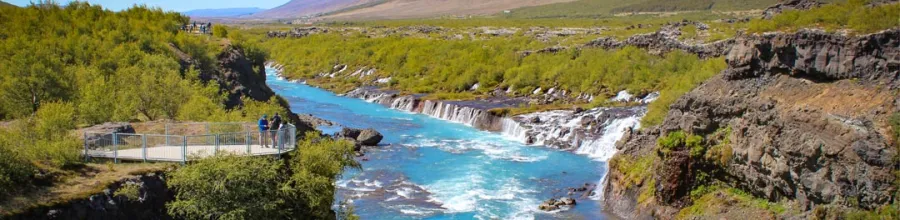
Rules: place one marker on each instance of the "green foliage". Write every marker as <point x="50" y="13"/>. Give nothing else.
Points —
<point x="671" y="5"/>
<point x="679" y="140"/>
<point x="233" y="187"/>
<point x="713" y="199"/>
<point x="42" y="140"/>
<point x="14" y="170"/>
<point x="132" y="191"/>
<point x="220" y="31"/>
<point x="853" y="15"/>
<point x="634" y="170"/>
<point x="228" y="187"/>
<point x="648" y="194"/>
<point x="110" y="65"/>
<point x="315" y="165"/>
<point x="890" y="211"/>
<point x="721" y="153"/>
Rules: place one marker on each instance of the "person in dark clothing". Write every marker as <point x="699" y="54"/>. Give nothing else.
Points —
<point x="275" y="128"/>
<point x="263" y="127"/>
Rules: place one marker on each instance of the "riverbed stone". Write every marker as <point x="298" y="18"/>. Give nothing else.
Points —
<point x="369" y="137"/>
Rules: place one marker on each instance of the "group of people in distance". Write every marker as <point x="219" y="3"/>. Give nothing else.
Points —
<point x="270" y="128"/>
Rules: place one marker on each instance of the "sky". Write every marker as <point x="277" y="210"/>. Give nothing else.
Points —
<point x="173" y="5"/>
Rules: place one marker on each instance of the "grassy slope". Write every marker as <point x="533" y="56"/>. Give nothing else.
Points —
<point x="604" y="8"/>
<point x="78" y="183"/>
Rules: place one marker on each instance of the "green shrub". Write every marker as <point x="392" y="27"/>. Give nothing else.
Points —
<point x="678" y="140"/>
<point x="722" y="152"/>
<point x="14" y="172"/>
<point x="233" y="187"/>
<point x="228" y="187"/>
<point x="132" y="191"/>
<point x="220" y="31"/>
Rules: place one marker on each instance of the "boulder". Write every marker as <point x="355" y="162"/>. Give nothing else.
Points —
<point x="549" y="205"/>
<point x="369" y="137"/>
<point x="351" y="133"/>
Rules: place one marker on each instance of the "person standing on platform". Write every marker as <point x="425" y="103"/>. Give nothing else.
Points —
<point x="274" y="128"/>
<point x="263" y="127"/>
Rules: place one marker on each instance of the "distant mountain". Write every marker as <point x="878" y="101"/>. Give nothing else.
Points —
<point x="300" y="8"/>
<point x="223" y="12"/>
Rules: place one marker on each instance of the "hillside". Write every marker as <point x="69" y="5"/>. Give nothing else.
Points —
<point x="222" y="12"/>
<point x="595" y="8"/>
<point x="300" y="8"/>
<point x="5" y="4"/>
<point x="400" y="9"/>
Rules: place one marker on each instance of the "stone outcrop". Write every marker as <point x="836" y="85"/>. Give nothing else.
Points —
<point x="240" y="76"/>
<point x="666" y="40"/>
<point x="817" y="56"/>
<point x="808" y="117"/>
<point x="771" y="11"/>
<point x="149" y="203"/>
<point x="296" y="32"/>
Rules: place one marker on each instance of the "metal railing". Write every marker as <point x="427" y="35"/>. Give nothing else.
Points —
<point x="191" y="143"/>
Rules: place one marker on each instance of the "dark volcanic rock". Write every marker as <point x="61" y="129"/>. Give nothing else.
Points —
<point x="817" y="55"/>
<point x="352" y="133"/>
<point x="366" y="137"/>
<point x="240" y="77"/>
<point x="150" y="203"/>
<point x="808" y="114"/>
<point x="771" y="11"/>
<point x="369" y="137"/>
<point x="666" y="40"/>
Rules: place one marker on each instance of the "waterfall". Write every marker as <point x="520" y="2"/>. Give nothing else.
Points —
<point x="604" y="148"/>
<point x="514" y="130"/>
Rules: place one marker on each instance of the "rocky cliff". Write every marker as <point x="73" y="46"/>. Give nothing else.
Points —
<point x="800" y="117"/>
<point x="240" y="74"/>
<point x="139" y="197"/>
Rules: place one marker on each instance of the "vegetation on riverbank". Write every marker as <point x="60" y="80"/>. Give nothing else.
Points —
<point x="232" y="187"/>
<point x="436" y="66"/>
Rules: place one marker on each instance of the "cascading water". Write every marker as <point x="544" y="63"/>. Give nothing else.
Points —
<point x="604" y="148"/>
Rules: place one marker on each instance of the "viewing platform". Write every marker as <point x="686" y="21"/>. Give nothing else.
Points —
<point x="189" y="141"/>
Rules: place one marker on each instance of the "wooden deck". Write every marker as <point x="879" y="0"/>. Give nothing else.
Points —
<point x="175" y="153"/>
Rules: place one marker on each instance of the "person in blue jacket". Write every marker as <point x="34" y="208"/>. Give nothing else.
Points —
<point x="263" y="127"/>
